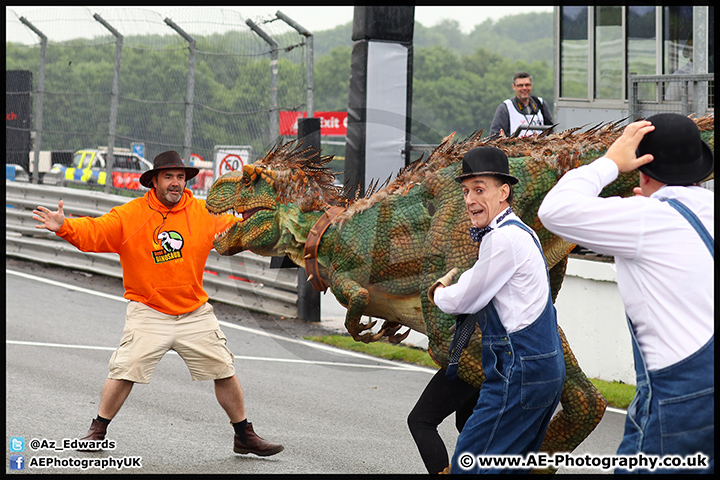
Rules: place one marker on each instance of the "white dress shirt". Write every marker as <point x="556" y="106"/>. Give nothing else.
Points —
<point x="510" y="272"/>
<point x="665" y="273"/>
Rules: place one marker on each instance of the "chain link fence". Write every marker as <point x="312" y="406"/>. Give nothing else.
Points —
<point x="187" y="81"/>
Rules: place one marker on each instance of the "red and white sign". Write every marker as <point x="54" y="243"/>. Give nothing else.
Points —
<point x="230" y="159"/>
<point x="230" y="163"/>
<point x="331" y="123"/>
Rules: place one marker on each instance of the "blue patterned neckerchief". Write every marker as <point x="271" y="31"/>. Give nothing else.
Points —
<point x="478" y="233"/>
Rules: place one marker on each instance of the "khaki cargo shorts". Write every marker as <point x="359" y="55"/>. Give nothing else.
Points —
<point x="149" y="334"/>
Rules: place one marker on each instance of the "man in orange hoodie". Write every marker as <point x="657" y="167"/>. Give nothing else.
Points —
<point x="163" y="240"/>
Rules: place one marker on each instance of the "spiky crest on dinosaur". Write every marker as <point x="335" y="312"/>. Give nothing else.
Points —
<point x="561" y="152"/>
<point x="300" y="175"/>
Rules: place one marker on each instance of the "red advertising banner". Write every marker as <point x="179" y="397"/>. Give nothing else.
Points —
<point x="331" y="123"/>
<point x="127" y="180"/>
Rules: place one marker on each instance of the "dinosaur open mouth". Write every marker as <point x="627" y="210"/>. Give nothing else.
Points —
<point x="246" y="214"/>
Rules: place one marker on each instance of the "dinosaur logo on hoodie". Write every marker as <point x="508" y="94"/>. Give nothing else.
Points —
<point x="172" y="243"/>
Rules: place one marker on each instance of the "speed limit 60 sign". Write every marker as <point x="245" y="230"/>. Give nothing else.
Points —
<point x="230" y="163"/>
<point x="230" y="158"/>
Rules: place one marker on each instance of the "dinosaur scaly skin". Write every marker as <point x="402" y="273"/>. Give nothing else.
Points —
<point x="380" y="255"/>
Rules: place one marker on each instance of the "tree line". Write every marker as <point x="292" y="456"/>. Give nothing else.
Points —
<point x="458" y="81"/>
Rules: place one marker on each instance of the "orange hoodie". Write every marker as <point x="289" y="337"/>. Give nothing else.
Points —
<point x="162" y="254"/>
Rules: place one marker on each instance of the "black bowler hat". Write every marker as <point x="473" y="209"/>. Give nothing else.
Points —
<point x="681" y="156"/>
<point x="164" y="161"/>
<point x="486" y="161"/>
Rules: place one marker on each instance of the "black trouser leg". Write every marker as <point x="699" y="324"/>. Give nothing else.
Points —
<point x="440" y="398"/>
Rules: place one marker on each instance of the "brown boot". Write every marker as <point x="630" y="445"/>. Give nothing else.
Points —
<point x="255" y="444"/>
<point x="97" y="432"/>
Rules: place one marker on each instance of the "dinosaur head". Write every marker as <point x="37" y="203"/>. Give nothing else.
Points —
<point x="271" y="198"/>
<point x="250" y="195"/>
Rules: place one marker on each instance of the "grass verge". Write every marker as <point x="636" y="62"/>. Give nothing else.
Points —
<point x="618" y="394"/>
<point x="403" y="353"/>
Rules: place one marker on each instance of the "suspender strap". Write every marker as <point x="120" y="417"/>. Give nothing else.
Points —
<point x="465" y="325"/>
<point x="694" y="222"/>
<point x="529" y="231"/>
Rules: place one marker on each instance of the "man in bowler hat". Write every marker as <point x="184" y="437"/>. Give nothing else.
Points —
<point x="507" y="293"/>
<point x="163" y="239"/>
<point x="663" y="244"/>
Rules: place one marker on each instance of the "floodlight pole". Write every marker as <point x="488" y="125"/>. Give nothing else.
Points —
<point x="40" y="97"/>
<point x="274" y="115"/>
<point x="115" y="94"/>
<point x="190" y="102"/>
<point x="308" y="58"/>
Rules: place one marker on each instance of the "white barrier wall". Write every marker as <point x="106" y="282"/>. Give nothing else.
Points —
<point x="591" y="313"/>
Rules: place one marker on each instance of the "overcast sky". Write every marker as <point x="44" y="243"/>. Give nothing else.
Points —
<point x="317" y="18"/>
<point x="323" y="18"/>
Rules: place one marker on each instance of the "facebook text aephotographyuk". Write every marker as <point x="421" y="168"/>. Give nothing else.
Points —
<point x="468" y="460"/>
<point x="85" y="463"/>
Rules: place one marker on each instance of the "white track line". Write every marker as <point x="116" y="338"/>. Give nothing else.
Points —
<point x="389" y="364"/>
<point x="239" y="357"/>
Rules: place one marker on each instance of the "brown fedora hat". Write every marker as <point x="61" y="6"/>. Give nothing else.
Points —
<point x="486" y="161"/>
<point x="164" y="161"/>
<point x="681" y="156"/>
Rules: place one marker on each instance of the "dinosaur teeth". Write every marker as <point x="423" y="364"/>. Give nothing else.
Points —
<point x="238" y="215"/>
<point x="223" y="233"/>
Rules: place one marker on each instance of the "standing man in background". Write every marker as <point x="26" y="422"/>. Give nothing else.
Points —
<point x="521" y="110"/>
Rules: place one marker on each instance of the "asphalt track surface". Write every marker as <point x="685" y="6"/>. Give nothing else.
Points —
<point x="336" y="412"/>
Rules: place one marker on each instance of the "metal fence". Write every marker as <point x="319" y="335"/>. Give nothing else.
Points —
<point x="683" y="94"/>
<point x="244" y="279"/>
<point x="198" y="78"/>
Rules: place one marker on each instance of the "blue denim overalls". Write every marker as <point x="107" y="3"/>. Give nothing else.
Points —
<point x="524" y="377"/>
<point x="673" y="409"/>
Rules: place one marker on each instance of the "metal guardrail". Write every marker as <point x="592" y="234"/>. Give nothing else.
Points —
<point x="695" y="94"/>
<point x="244" y="279"/>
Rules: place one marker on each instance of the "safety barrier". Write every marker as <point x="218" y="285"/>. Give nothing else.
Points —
<point x="244" y="279"/>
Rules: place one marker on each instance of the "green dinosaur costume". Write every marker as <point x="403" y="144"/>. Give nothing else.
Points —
<point x="380" y="254"/>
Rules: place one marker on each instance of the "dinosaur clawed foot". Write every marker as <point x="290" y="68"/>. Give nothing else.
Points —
<point x="369" y="337"/>
<point x="356" y="329"/>
<point x="390" y="330"/>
